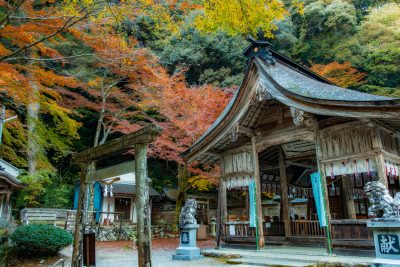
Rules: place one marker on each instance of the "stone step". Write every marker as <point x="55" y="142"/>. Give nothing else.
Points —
<point x="269" y="262"/>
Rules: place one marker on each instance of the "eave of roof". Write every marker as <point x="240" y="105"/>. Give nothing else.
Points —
<point x="230" y="109"/>
<point x="11" y="179"/>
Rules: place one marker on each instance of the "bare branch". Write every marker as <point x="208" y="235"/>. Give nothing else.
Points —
<point x="10" y="11"/>
<point x="69" y="23"/>
<point x="49" y="59"/>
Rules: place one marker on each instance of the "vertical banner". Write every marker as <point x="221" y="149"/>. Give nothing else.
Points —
<point x="319" y="198"/>
<point x="252" y="202"/>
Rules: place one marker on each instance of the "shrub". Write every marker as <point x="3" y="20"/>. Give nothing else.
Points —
<point x="6" y="228"/>
<point x="40" y="239"/>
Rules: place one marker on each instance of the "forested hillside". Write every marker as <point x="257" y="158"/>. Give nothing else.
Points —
<point x="80" y="73"/>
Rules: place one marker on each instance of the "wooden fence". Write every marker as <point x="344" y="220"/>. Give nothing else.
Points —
<point x="49" y="216"/>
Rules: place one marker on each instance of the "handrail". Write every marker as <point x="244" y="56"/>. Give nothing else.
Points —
<point x="58" y="262"/>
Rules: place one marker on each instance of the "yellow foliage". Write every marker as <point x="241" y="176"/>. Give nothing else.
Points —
<point x="242" y="16"/>
<point x="200" y="183"/>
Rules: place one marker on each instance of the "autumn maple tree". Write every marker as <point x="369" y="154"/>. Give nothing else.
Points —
<point x="341" y="74"/>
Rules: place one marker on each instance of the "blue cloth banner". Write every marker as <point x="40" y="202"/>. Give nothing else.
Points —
<point x="252" y="202"/>
<point x="319" y="198"/>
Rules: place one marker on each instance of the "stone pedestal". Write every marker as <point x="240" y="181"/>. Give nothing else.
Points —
<point x="386" y="240"/>
<point x="187" y="249"/>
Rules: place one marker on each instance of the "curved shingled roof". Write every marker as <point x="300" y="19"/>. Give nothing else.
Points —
<point x="300" y="84"/>
<point x="299" y="87"/>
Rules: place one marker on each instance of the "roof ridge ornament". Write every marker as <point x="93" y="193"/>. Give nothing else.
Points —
<point x="259" y="48"/>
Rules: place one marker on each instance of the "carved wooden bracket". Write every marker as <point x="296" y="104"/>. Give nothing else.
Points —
<point x="297" y="115"/>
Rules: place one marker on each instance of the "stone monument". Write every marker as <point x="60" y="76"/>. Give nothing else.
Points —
<point x="187" y="249"/>
<point x="386" y="225"/>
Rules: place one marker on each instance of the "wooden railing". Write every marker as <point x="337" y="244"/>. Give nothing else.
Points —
<point x="239" y="229"/>
<point x="306" y="228"/>
<point x="274" y="229"/>
<point x="351" y="233"/>
<point x="242" y="229"/>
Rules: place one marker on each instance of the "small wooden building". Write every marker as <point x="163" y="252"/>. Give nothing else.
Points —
<point x="8" y="184"/>
<point x="283" y="123"/>
<point x="115" y="199"/>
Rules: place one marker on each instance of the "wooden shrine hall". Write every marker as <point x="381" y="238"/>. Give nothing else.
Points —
<point x="283" y="123"/>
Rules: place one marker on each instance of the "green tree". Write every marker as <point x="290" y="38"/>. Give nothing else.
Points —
<point x="206" y="59"/>
<point x="378" y="50"/>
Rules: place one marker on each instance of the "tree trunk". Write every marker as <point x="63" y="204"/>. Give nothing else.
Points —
<point x="32" y="120"/>
<point x="92" y="168"/>
<point x="143" y="206"/>
<point x="183" y="182"/>
<point x="79" y="220"/>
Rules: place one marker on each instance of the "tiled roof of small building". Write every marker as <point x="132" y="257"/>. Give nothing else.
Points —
<point x="130" y="189"/>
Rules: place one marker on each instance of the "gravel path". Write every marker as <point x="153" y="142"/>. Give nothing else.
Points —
<point x="123" y="254"/>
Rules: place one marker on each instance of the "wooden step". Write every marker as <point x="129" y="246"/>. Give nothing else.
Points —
<point x="269" y="262"/>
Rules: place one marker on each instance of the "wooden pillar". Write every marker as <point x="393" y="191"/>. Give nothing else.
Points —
<point x="224" y="205"/>
<point x="380" y="161"/>
<point x="347" y="193"/>
<point x="381" y="169"/>
<point x="220" y="219"/>
<point x="143" y="206"/>
<point x="322" y="172"/>
<point x="79" y="219"/>
<point x="260" y="240"/>
<point x="7" y="209"/>
<point x="284" y="193"/>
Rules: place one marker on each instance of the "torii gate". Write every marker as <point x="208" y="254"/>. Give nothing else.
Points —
<point x="138" y="141"/>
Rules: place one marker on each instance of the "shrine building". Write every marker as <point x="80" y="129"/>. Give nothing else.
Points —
<point x="282" y="124"/>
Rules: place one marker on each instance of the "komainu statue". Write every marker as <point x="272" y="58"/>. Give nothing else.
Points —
<point x="381" y="203"/>
<point x="188" y="213"/>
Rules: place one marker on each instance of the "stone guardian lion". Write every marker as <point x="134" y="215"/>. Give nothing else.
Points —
<point x="381" y="203"/>
<point x="188" y="213"/>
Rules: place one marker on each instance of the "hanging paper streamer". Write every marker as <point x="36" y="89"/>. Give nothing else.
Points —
<point x="368" y="168"/>
<point x="358" y="166"/>
<point x="237" y="182"/>
<point x="355" y="168"/>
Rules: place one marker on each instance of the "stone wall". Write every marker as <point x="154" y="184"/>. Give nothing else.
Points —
<point x="129" y="232"/>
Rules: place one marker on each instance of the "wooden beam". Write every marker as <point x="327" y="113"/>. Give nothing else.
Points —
<point x="143" y="206"/>
<point x="284" y="193"/>
<point x="120" y="145"/>
<point x="112" y="171"/>
<point x="79" y="219"/>
<point x="260" y="240"/>
<point x="214" y="154"/>
<point x="298" y="164"/>
<point x="234" y="174"/>
<point x="246" y="131"/>
<point x="283" y="136"/>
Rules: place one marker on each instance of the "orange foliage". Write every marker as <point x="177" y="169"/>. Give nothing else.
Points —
<point x="341" y="74"/>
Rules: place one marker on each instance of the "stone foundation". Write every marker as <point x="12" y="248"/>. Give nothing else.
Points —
<point x="129" y="232"/>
